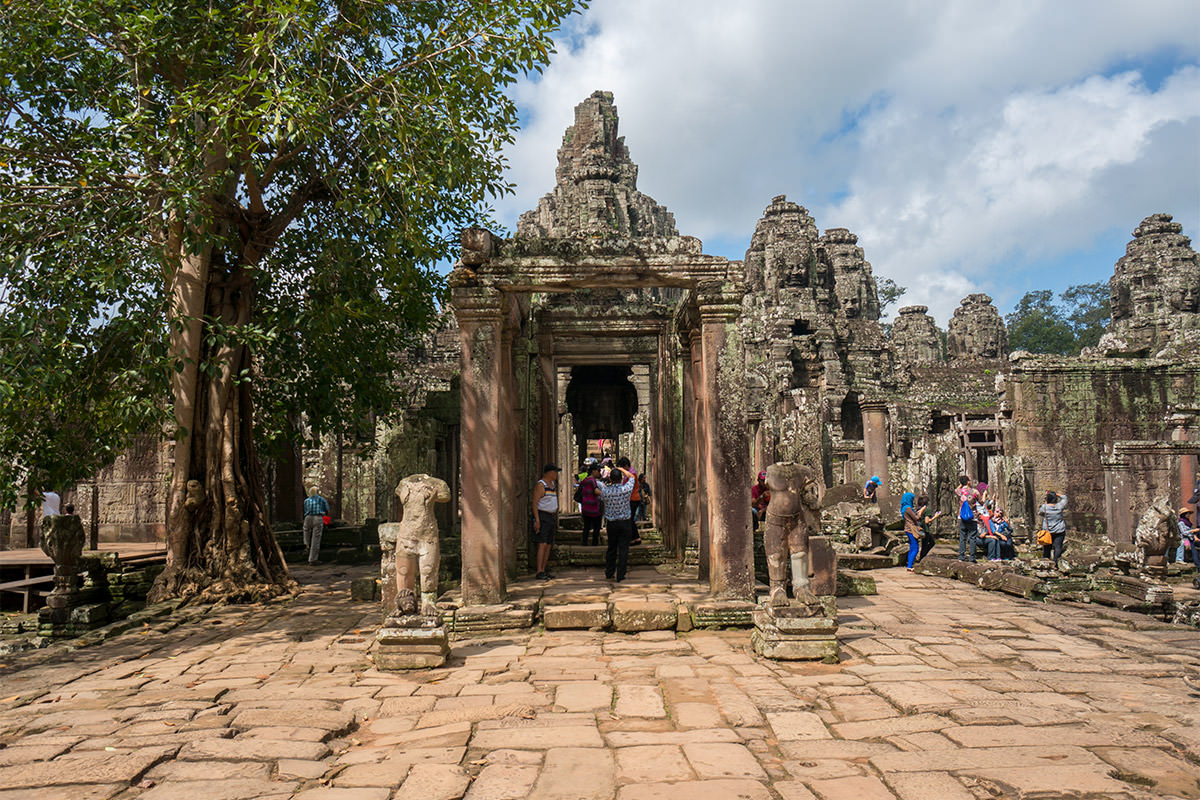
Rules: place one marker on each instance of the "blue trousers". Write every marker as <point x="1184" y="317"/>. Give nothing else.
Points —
<point x="968" y="534"/>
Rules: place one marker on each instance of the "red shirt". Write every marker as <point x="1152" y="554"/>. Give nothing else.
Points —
<point x="759" y="496"/>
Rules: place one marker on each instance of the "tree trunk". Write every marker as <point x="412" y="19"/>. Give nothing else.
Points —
<point x="219" y="541"/>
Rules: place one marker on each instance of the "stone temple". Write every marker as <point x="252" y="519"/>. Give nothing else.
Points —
<point x="598" y="319"/>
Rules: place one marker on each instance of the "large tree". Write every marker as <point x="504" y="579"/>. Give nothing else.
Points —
<point x="209" y="137"/>
<point x="1077" y="320"/>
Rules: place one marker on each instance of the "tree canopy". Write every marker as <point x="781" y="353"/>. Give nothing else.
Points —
<point x="1040" y="324"/>
<point x="261" y="189"/>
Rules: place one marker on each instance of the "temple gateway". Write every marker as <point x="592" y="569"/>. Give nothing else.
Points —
<point x="598" y="320"/>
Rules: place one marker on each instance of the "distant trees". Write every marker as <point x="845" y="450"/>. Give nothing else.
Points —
<point x="1040" y="324"/>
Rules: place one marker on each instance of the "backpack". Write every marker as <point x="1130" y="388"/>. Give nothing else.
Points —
<point x="578" y="496"/>
<point x="964" y="511"/>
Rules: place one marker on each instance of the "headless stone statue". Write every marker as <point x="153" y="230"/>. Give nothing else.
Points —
<point x="417" y="548"/>
<point x="794" y="511"/>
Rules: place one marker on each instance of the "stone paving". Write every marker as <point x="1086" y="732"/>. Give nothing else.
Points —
<point x="944" y="691"/>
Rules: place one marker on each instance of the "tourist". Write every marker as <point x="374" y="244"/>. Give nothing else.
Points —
<point x="1189" y="534"/>
<point x="912" y="528"/>
<point x="906" y="501"/>
<point x="1000" y="541"/>
<point x="871" y="489"/>
<point x="545" y="517"/>
<point x="315" y="510"/>
<point x="643" y="507"/>
<point x="635" y="499"/>
<point x="589" y="504"/>
<point x="615" y="492"/>
<point x="968" y="528"/>
<point x="760" y="497"/>
<point x="927" y="538"/>
<point x="1053" y="521"/>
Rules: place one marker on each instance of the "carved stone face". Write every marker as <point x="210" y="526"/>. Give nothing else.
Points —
<point x="852" y="306"/>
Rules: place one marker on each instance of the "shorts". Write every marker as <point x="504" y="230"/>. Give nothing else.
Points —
<point x="547" y="528"/>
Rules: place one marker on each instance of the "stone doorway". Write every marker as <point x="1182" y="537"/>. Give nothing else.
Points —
<point x="603" y="403"/>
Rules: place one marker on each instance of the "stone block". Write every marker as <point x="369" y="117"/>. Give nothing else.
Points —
<point x="1022" y="586"/>
<point x="789" y="649"/>
<point x="851" y="583"/>
<point x="644" y="615"/>
<point x="795" y="625"/>
<point x="92" y="614"/>
<point x="580" y="616"/>
<point x="364" y="589"/>
<point x="490" y="619"/>
<point x="411" y="647"/>
<point x="823" y="564"/>
<point x="723" y="614"/>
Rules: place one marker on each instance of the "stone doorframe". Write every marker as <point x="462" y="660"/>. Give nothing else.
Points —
<point x="1135" y="471"/>
<point x="490" y="287"/>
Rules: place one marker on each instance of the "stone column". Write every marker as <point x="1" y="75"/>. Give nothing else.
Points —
<point x="477" y="310"/>
<point x="699" y="453"/>
<point x="506" y="457"/>
<point x="875" y="442"/>
<point x="1180" y="430"/>
<point x="727" y="468"/>
<point x="1117" y="507"/>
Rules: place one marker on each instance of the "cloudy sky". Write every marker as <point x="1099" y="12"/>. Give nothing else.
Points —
<point x="972" y="146"/>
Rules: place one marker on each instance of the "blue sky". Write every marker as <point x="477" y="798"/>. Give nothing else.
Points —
<point x="972" y="146"/>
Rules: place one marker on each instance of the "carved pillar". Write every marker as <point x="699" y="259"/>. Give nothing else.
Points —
<point x="508" y="475"/>
<point x="1117" y="508"/>
<point x="731" y="557"/>
<point x="875" y="442"/>
<point x="699" y="453"/>
<point x="477" y="310"/>
<point x="1181" y="428"/>
<point x="690" y="520"/>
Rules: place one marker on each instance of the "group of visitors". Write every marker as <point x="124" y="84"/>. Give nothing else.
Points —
<point x="981" y="525"/>
<point x="614" y="493"/>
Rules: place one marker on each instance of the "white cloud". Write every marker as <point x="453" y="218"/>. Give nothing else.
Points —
<point x="961" y="141"/>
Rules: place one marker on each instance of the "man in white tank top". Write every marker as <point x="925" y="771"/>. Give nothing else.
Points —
<point x="545" y="517"/>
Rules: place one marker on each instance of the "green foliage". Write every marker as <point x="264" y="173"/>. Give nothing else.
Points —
<point x="1040" y="325"/>
<point x="322" y="153"/>
<point x="889" y="292"/>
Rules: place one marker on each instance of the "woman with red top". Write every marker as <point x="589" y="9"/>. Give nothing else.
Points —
<point x="589" y="504"/>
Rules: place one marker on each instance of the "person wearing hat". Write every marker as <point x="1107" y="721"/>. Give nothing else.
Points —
<point x="870" y="489"/>
<point x="760" y="496"/>
<point x="1190" y="534"/>
<point x="545" y="517"/>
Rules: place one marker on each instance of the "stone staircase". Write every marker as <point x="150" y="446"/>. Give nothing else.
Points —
<point x="568" y="552"/>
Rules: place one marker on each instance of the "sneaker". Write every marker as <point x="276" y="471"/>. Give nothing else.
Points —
<point x="541" y="576"/>
<point x="909" y="569"/>
<point x="548" y="574"/>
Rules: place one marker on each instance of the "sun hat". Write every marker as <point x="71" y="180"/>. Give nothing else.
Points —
<point x="762" y="476"/>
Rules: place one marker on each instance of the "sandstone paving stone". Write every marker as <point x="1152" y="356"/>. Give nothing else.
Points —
<point x="797" y="725"/>
<point x="696" y="715"/>
<point x="576" y="773"/>
<point x="243" y="749"/>
<point x="22" y="754"/>
<point x="723" y="760"/>
<point x="288" y="734"/>
<point x="226" y="789"/>
<point x="652" y="763"/>
<point x="583" y="696"/>
<point x="878" y="729"/>
<point x="181" y="771"/>
<point x="101" y="768"/>
<point x="822" y="769"/>
<point x="298" y="716"/>
<point x="433" y="782"/>
<point x="341" y="793"/>
<point x="1168" y="774"/>
<point x="635" y="738"/>
<point x="299" y="768"/>
<point x="862" y="787"/>
<point x="503" y="782"/>
<point x="93" y="792"/>
<point x="927" y="785"/>
<point x="1050" y="781"/>
<point x="793" y="790"/>
<point x="639" y="701"/>
<point x="720" y="789"/>
<point x="538" y="738"/>
<point x="963" y="758"/>
<point x="454" y="734"/>
<point x="387" y="772"/>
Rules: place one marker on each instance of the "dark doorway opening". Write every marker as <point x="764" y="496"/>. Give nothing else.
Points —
<point x="852" y="421"/>
<point x="602" y="401"/>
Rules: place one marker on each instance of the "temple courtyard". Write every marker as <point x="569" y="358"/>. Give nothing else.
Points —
<point x="943" y="691"/>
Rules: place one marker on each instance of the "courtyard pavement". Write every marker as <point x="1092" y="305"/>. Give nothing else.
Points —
<point x="944" y="692"/>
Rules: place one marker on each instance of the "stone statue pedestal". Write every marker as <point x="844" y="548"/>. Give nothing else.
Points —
<point x="411" y="642"/>
<point x="795" y="633"/>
